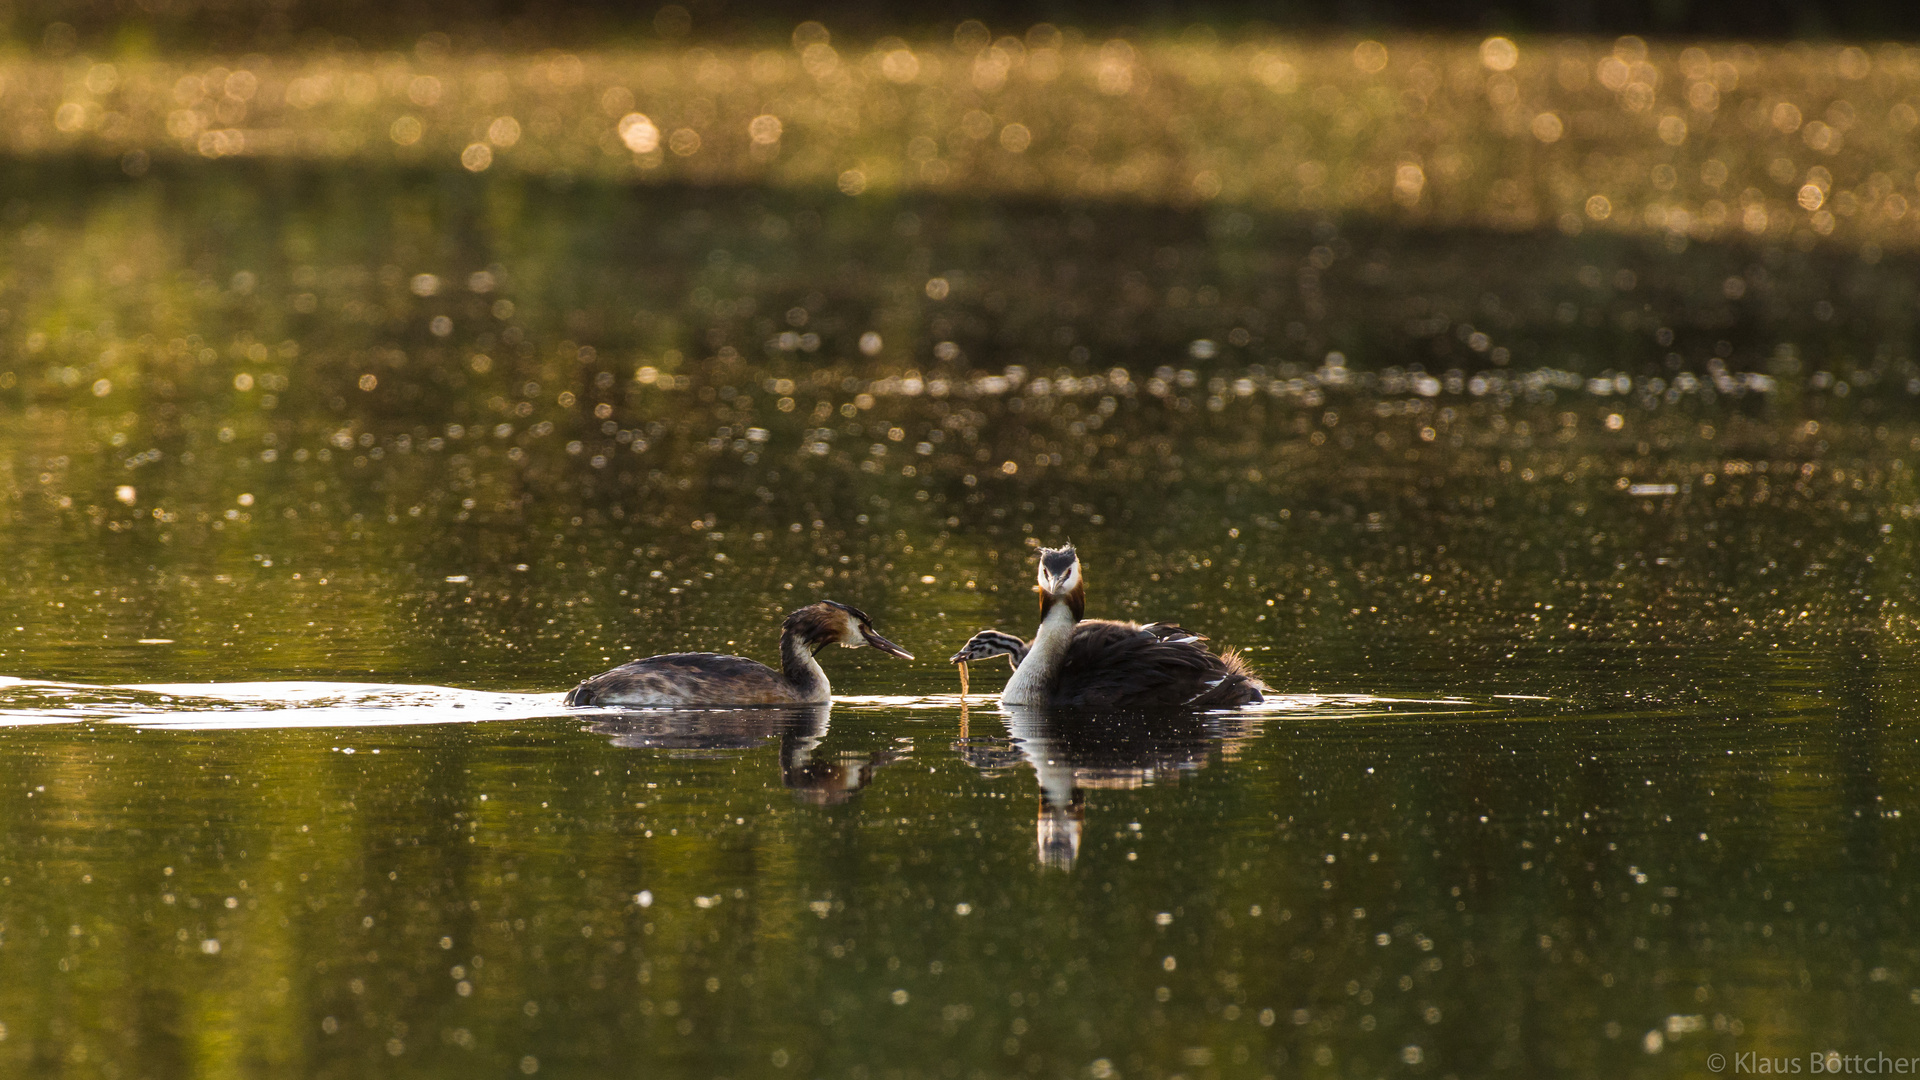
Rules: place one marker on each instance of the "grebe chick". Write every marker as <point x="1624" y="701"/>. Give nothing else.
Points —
<point x="702" y="679"/>
<point x="1102" y="664"/>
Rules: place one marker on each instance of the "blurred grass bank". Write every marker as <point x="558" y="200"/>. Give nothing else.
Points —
<point x="1687" y="141"/>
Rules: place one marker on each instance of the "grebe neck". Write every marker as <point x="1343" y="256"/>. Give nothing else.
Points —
<point x="801" y="669"/>
<point x="1033" y="680"/>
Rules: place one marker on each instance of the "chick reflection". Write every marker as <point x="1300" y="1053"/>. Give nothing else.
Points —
<point x="815" y="777"/>
<point x="1072" y="752"/>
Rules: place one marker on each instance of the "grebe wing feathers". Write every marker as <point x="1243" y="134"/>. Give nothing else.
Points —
<point x="685" y="679"/>
<point x="1237" y="684"/>
<point x="1168" y="632"/>
<point x="1126" y="665"/>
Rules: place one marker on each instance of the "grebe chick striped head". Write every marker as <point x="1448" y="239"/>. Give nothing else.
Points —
<point x="991" y="643"/>
<point x="1059" y="581"/>
<point x="830" y="623"/>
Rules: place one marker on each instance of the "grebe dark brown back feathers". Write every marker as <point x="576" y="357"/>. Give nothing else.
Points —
<point x="703" y="679"/>
<point x="1101" y="664"/>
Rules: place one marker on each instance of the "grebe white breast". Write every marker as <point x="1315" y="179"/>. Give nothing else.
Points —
<point x="703" y="678"/>
<point x="1099" y="663"/>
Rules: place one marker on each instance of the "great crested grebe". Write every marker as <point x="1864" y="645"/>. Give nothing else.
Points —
<point x="703" y="678"/>
<point x="1098" y="663"/>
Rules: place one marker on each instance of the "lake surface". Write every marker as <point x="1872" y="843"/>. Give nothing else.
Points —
<point x="1583" y="576"/>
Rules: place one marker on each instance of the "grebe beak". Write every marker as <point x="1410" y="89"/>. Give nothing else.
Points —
<point x="884" y="645"/>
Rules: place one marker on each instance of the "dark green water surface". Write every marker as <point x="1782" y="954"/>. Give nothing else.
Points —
<point x="1581" y="568"/>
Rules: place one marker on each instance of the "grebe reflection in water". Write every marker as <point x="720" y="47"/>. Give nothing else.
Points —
<point x="813" y="776"/>
<point x="1072" y="753"/>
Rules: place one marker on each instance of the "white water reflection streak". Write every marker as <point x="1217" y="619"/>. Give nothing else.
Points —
<point x="242" y="705"/>
<point x="312" y="704"/>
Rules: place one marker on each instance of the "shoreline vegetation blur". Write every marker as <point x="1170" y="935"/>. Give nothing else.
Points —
<point x="1792" y="143"/>
<point x="238" y="26"/>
